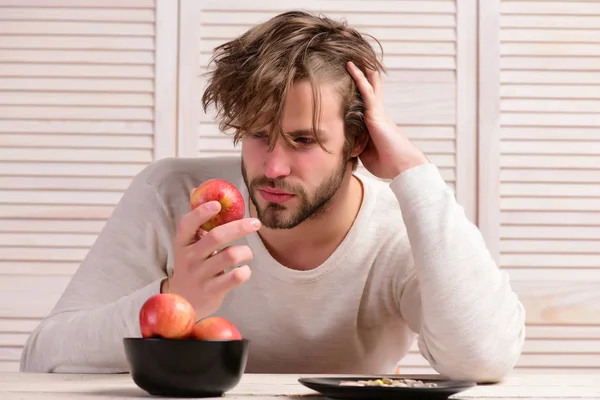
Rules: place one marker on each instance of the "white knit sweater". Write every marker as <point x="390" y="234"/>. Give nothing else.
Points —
<point x="412" y="264"/>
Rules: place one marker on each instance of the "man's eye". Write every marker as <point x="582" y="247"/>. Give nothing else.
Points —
<point x="258" y="135"/>
<point x="304" y="140"/>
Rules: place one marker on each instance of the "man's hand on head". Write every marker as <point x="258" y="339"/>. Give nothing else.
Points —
<point x="388" y="152"/>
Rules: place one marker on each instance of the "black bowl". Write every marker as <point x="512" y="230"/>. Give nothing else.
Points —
<point x="186" y="367"/>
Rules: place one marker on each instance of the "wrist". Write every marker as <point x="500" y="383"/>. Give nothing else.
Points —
<point x="419" y="185"/>
<point x="407" y="163"/>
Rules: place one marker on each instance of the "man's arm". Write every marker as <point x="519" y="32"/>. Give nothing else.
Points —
<point x="101" y="304"/>
<point x="471" y="324"/>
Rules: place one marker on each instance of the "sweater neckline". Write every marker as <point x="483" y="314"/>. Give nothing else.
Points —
<point x="268" y="265"/>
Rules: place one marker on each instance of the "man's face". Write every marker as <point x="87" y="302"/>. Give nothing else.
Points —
<point x="290" y="185"/>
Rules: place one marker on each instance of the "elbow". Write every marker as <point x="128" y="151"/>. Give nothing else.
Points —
<point x="50" y="349"/>
<point x="39" y="353"/>
<point x="496" y="356"/>
<point x="34" y="359"/>
<point x="500" y="358"/>
<point x="485" y="368"/>
<point x="487" y="361"/>
<point x="42" y="350"/>
<point x="31" y="357"/>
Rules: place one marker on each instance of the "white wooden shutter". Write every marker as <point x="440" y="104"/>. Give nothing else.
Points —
<point x="430" y="88"/>
<point x="87" y="90"/>
<point x="540" y="172"/>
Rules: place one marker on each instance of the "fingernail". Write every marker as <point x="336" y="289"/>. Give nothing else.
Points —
<point x="213" y="206"/>
<point x="255" y="223"/>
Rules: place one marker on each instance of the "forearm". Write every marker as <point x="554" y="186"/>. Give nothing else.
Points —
<point x="471" y="322"/>
<point x="86" y="341"/>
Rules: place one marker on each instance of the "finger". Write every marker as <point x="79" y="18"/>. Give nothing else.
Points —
<point x="225" y="282"/>
<point x="228" y="257"/>
<point x="189" y="224"/>
<point x="222" y="235"/>
<point x="364" y="87"/>
<point x="374" y="78"/>
<point x="200" y="233"/>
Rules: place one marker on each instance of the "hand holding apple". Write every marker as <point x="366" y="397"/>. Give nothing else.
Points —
<point x="200" y="264"/>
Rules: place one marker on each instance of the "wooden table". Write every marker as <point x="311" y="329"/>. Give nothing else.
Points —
<point x="29" y="386"/>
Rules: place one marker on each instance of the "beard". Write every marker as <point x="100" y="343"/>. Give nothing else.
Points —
<point x="280" y="216"/>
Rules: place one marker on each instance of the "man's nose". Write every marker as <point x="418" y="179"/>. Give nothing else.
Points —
<point x="277" y="163"/>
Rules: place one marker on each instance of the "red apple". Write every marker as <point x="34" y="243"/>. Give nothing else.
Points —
<point x="232" y="201"/>
<point x="215" y="328"/>
<point x="167" y="315"/>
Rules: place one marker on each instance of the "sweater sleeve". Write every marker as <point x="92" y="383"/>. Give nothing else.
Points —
<point x="100" y="306"/>
<point x="470" y="323"/>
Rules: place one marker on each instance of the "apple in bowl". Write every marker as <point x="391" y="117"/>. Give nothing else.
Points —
<point x="177" y="357"/>
<point x="215" y="328"/>
<point x="168" y="316"/>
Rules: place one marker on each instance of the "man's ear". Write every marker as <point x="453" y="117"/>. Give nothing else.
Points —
<point x="360" y="144"/>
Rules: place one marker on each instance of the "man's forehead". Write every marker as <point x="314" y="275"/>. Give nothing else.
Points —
<point x="301" y="104"/>
<point x="298" y="114"/>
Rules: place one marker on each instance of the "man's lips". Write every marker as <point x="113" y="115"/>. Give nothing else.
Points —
<point x="274" y="191"/>
<point x="274" y="195"/>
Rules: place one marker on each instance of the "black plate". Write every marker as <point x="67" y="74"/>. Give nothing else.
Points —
<point x="330" y="387"/>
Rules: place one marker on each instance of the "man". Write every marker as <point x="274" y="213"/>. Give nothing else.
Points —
<point x="330" y="271"/>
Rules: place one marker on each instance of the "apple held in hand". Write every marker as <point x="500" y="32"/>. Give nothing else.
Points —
<point x="167" y="315"/>
<point x="232" y="201"/>
<point x="215" y="328"/>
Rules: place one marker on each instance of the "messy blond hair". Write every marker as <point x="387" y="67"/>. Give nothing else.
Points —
<point x="253" y="73"/>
